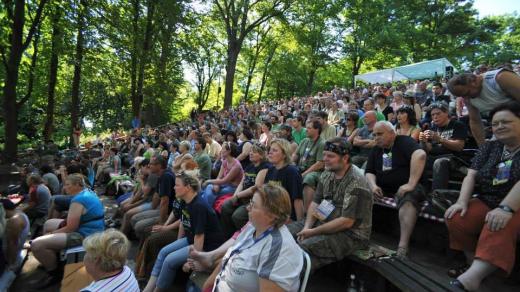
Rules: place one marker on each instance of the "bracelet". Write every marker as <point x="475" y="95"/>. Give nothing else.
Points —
<point x="506" y="208"/>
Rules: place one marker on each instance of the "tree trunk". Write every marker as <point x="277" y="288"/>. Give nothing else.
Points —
<point x="16" y="49"/>
<point x="138" y="102"/>
<point x="231" y="66"/>
<point x="310" y="81"/>
<point x="356" y="66"/>
<point x="76" y="80"/>
<point x="134" y="56"/>
<point x="11" y="82"/>
<point x="53" y="74"/>
<point x="251" y="69"/>
<point x="266" y="69"/>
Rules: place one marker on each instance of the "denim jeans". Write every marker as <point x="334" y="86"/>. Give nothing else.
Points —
<point x="192" y="287"/>
<point x="170" y="258"/>
<point x="211" y="196"/>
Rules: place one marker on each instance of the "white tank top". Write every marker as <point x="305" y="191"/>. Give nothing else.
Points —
<point x="491" y="94"/>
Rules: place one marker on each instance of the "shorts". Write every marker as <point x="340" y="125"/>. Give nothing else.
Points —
<point x="415" y="197"/>
<point x="311" y="179"/>
<point x="74" y="239"/>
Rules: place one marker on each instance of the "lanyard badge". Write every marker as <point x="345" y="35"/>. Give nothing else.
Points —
<point x="503" y="172"/>
<point x="324" y="210"/>
<point x="387" y="161"/>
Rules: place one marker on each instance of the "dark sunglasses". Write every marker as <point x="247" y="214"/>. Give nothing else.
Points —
<point x="338" y="149"/>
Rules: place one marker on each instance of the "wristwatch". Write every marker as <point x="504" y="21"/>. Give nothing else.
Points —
<point x="506" y="208"/>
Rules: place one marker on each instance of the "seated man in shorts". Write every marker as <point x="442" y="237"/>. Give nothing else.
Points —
<point x="394" y="168"/>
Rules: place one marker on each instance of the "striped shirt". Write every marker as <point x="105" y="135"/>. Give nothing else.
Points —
<point x="124" y="281"/>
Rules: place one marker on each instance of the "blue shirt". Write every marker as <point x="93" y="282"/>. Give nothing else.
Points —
<point x="92" y="220"/>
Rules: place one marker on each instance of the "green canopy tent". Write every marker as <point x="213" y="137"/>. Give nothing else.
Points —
<point x="422" y="70"/>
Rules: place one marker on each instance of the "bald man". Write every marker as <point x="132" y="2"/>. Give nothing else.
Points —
<point x="364" y="139"/>
<point x="482" y="93"/>
<point x="394" y="168"/>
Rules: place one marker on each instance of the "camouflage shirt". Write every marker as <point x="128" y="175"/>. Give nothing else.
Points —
<point x="351" y="198"/>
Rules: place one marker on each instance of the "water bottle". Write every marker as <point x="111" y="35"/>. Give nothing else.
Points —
<point x="352" y="287"/>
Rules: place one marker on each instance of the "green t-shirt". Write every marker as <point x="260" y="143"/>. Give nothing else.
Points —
<point x="309" y="152"/>
<point x="299" y="136"/>
<point x="379" y="117"/>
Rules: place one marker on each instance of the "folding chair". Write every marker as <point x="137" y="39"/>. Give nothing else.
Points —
<point x="306" y="270"/>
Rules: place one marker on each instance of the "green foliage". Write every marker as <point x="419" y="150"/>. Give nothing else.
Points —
<point x="299" y="47"/>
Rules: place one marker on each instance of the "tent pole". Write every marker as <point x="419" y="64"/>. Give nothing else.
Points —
<point x="393" y="73"/>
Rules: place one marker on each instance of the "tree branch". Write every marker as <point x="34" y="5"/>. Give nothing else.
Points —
<point x="34" y="58"/>
<point x="34" y="25"/>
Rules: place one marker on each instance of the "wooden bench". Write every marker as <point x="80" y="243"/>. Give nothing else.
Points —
<point x="404" y="274"/>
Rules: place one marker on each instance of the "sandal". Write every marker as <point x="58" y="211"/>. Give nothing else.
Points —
<point x="458" y="284"/>
<point x="457" y="271"/>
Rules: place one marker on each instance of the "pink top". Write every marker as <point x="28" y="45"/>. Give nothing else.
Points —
<point x="232" y="177"/>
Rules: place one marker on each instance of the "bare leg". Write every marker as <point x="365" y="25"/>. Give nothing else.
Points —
<point x="308" y="195"/>
<point x="479" y="270"/>
<point x="407" y="219"/>
<point x="45" y="247"/>
<point x="51" y="225"/>
<point x="205" y="261"/>
<point x="150" y="286"/>
<point x="157" y="289"/>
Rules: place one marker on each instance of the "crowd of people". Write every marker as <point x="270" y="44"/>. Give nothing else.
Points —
<point x="242" y="193"/>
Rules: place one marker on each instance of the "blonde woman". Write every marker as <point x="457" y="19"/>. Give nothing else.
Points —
<point x="285" y="174"/>
<point x="105" y="260"/>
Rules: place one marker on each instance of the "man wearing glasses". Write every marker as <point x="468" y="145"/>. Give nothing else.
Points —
<point x="339" y="219"/>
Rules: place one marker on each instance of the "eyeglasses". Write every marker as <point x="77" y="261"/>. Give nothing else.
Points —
<point x="439" y="105"/>
<point x="338" y="149"/>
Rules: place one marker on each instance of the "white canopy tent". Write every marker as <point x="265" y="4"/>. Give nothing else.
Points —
<point x="421" y="70"/>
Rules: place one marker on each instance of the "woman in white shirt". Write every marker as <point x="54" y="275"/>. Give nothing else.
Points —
<point x="265" y="256"/>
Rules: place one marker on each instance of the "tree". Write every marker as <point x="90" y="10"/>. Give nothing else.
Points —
<point x="204" y="54"/>
<point x="369" y="31"/>
<point x="258" y="44"/>
<point x="137" y="99"/>
<point x="240" y="17"/>
<point x="53" y="71"/>
<point x="78" y="62"/>
<point x="11" y="57"/>
<point x="314" y="25"/>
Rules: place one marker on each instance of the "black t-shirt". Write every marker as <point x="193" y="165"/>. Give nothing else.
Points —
<point x="165" y="186"/>
<point x="251" y="172"/>
<point x="401" y="153"/>
<point x="387" y="110"/>
<point x="288" y="177"/>
<point x="245" y="162"/>
<point x="178" y="206"/>
<point x="198" y="218"/>
<point x="454" y="130"/>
